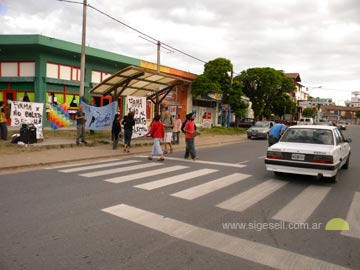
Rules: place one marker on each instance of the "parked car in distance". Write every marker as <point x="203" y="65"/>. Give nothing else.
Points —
<point x="342" y="125"/>
<point x="260" y="130"/>
<point x="246" y="122"/>
<point x="310" y="150"/>
<point x="323" y="122"/>
<point x="306" y="121"/>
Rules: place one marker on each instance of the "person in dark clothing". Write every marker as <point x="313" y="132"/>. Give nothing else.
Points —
<point x="80" y="118"/>
<point x="3" y="125"/>
<point x="115" y="130"/>
<point x="128" y="122"/>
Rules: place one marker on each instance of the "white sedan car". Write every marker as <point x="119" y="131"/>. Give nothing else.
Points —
<point x="310" y="150"/>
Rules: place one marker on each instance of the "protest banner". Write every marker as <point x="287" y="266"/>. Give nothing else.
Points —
<point x="99" y="118"/>
<point x="138" y="106"/>
<point x="26" y="113"/>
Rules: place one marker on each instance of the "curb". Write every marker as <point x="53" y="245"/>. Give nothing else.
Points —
<point x="106" y="156"/>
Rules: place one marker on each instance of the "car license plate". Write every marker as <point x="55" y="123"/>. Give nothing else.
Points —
<point x="297" y="157"/>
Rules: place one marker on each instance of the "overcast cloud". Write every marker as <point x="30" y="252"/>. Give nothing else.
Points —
<point x="318" y="39"/>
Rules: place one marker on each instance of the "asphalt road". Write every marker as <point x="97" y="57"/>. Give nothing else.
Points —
<point x="224" y="211"/>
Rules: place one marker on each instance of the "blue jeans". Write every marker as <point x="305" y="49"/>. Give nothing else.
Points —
<point x="176" y="137"/>
<point x="190" y="148"/>
<point x="156" y="148"/>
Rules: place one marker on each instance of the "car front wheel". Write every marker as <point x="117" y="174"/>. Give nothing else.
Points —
<point x="346" y="165"/>
<point x="333" y="179"/>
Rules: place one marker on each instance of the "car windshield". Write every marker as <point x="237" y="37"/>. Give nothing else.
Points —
<point x="308" y="135"/>
<point x="261" y="124"/>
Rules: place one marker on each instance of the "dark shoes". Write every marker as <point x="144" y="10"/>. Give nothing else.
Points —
<point x="161" y="159"/>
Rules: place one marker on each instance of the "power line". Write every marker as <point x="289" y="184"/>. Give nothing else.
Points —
<point x="136" y="30"/>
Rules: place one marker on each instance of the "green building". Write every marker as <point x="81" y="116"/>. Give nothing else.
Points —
<point x="41" y="69"/>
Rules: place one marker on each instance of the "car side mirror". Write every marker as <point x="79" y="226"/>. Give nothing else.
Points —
<point x="348" y="140"/>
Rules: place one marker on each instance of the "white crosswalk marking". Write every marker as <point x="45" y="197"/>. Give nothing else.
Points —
<point x="271" y="257"/>
<point x="206" y="188"/>
<point x="353" y="217"/>
<point x="208" y="162"/>
<point x="126" y="178"/>
<point x="121" y="169"/>
<point x="98" y="166"/>
<point x="175" y="179"/>
<point x="79" y="164"/>
<point x="303" y="205"/>
<point x="250" y="197"/>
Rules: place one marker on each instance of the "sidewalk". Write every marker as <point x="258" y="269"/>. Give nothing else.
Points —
<point x="59" y="150"/>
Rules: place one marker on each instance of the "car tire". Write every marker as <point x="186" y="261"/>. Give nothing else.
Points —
<point x="249" y="137"/>
<point x="346" y="165"/>
<point x="332" y="179"/>
<point x="278" y="173"/>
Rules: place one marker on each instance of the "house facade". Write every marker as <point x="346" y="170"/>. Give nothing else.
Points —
<point x="41" y="69"/>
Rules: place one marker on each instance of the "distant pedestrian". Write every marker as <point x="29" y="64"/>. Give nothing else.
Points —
<point x="3" y="124"/>
<point x="190" y="134"/>
<point x="276" y="132"/>
<point x="80" y="125"/>
<point x="128" y="122"/>
<point x="168" y="124"/>
<point x="115" y="130"/>
<point x="176" y="129"/>
<point x="157" y="132"/>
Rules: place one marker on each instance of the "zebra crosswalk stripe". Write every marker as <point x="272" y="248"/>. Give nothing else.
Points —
<point x="72" y="165"/>
<point x="303" y="205"/>
<point x="120" y="170"/>
<point x="206" y="162"/>
<point x="206" y="188"/>
<point x="98" y="166"/>
<point x="175" y="179"/>
<point x="252" y="196"/>
<point x="271" y="257"/>
<point x="126" y="178"/>
<point x="353" y="217"/>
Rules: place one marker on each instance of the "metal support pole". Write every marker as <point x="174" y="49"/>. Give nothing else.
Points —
<point x="158" y="56"/>
<point x="82" y="61"/>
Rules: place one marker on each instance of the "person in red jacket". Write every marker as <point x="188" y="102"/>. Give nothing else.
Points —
<point x="156" y="131"/>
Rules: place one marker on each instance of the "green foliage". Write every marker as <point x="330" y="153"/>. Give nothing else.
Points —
<point x="267" y="89"/>
<point x="222" y="131"/>
<point x="283" y="105"/>
<point x="357" y="114"/>
<point x="308" y="112"/>
<point x="215" y="78"/>
<point x="202" y="85"/>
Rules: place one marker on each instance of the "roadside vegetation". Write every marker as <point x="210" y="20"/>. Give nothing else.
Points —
<point x="97" y="137"/>
<point x="222" y="131"/>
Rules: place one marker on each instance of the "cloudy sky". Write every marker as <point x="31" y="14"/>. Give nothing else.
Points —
<point x="319" y="39"/>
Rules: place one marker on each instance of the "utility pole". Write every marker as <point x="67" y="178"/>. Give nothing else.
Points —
<point x="83" y="53"/>
<point x="158" y="56"/>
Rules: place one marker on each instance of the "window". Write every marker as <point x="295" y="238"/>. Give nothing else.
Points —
<point x="338" y="136"/>
<point x="62" y="72"/>
<point x="99" y="76"/>
<point x="27" y="69"/>
<point x="17" y="69"/>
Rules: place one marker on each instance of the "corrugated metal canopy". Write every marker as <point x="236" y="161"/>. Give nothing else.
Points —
<point x="136" y="81"/>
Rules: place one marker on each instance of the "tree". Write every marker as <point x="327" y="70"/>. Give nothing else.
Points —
<point x="283" y="105"/>
<point x="357" y="114"/>
<point x="217" y="78"/>
<point x="308" y="112"/>
<point x="266" y="88"/>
